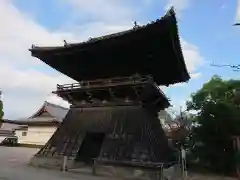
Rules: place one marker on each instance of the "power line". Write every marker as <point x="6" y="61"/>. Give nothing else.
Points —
<point x="233" y="67"/>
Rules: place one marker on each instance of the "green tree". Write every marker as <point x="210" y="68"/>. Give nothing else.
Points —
<point x="218" y="117"/>
<point x="1" y="110"/>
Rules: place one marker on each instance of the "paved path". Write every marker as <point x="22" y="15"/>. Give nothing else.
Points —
<point x="13" y="166"/>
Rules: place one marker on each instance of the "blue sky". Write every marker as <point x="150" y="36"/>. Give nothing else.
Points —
<point x="205" y="27"/>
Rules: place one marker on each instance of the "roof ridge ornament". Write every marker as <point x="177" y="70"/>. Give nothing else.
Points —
<point x="65" y="43"/>
<point x="171" y="11"/>
<point x="135" y="25"/>
<point x="90" y="39"/>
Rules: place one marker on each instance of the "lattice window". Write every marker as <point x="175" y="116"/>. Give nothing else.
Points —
<point x="24" y="133"/>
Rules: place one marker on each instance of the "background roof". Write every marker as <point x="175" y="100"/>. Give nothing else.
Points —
<point x="57" y="112"/>
<point x="56" y="115"/>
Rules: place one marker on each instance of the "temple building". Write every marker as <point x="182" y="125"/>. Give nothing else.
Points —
<point x="112" y="126"/>
<point x="37" y="129"/>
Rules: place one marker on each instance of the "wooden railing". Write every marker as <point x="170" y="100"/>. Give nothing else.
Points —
<point x="105" y="82"/>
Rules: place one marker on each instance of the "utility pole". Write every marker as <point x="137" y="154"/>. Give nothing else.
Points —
<point x="182" y="150"/>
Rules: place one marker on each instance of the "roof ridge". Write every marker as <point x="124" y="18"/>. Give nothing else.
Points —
<point x="55" y="105"/>
<point x="170" y="12"/>
<point x="164" y="31"/>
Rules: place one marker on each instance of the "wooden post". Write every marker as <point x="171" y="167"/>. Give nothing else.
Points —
<point x="94" y="167"/>
<point x="183" y="163"/>
<point x="64" y="166"/>
<point x="160" y="173"/>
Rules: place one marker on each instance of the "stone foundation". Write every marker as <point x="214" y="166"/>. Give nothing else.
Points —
<point x="127" y="173"/>
<point x="109" y="171"/>
<point x="50" y="162"/>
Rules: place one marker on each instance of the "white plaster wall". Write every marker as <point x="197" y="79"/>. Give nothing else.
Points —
<point x="35" y="135"/>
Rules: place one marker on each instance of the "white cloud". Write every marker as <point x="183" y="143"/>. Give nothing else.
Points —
<point x="223" y="6"/>
<point x="103" y="10"/>
<point x="195" y="75"/>
<point x="18" y="32"/>
<point x="57" y="100"/>
<point x="179" y="5"/>
<point x="25" y="81"/>
<point x="147" y="2"/>
<point x="22" y="86"/>
<point x="25" y="91"/>
<point x="179" y="104"/>
<point x="96" y="29"/>
<point x="237" y="15"/>
<point x="192" y="58"/>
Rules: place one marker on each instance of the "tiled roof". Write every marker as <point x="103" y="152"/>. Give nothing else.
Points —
<point x="96" y="39"/>
<point x="57" y="112"/>
<point x="8" y="126"/>
<point x="154" y="48"/>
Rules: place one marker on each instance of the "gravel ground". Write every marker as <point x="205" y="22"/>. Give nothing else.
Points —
<point x="14" y="166"/>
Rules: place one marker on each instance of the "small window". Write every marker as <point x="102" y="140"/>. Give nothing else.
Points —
<point x="24" y="133"/>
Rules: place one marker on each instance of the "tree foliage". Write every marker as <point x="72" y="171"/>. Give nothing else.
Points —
<point x="218" y="116"/>
<point x="1" y="110"/>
